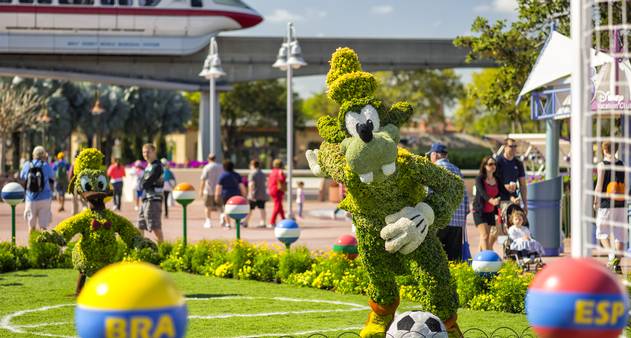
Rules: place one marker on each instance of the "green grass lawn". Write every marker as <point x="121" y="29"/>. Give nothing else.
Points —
<point x="41" y="301"/>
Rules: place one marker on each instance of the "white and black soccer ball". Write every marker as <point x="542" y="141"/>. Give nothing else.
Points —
<point x="416" y="324"/>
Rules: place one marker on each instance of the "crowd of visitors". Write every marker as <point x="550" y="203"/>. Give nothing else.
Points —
<point x="500" y="184"/>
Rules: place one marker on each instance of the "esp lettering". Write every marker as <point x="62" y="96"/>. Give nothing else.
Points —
<point x="139" y="327"/>
<point x="600" y="313"/>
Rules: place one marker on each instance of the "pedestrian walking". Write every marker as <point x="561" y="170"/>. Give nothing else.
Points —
<point x="150" y="214"/>
<point x="169" y="184"/>
<point x="257" y="194"/>
<point x="38" y="176"/>
<point x="452" y="235"/>
<point x="228" y="185"/>
<point x="611" y="211"/>
<point x="276" y="187"/>
<point x="116" y="174"/>
<point x="209" y="179"/>
<point x="60" y="168"/>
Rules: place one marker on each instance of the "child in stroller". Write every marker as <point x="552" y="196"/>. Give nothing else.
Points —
<point x="520" y="245"/>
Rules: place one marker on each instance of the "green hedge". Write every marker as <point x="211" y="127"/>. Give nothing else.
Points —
<point x="297" y="266"/>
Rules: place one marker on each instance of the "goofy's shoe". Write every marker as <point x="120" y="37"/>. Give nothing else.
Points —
<point x="453" y="330"/>
<point x="379" y="318"/>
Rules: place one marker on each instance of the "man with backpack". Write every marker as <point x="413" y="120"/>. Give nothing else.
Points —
<point x="38" y="176"/>
<point x="60" y="168"/>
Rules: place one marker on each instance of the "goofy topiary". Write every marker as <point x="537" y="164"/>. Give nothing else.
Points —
<point x="97" y="225"/>
<point x="395" y="214"/>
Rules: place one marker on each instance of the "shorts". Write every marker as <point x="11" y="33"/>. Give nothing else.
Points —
<point x="606" y="227"/>
<point x="61" y="188"/>
<point x="484" y="217"/>
<point x="38" y="213"/>
<point x="209" y="201"/>
<point x="139" y="193"/>
<point x="150" y="215"/>
<point x="257" y="204"/>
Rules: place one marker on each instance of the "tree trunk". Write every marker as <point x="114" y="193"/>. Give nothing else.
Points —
<point x="17" y="154"/>
<point x="3" y="159"/>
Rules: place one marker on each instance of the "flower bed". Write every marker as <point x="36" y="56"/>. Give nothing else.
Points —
<point x="299" y="266"/>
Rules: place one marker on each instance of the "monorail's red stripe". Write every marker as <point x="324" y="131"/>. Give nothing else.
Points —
<point x="244" y="19"/>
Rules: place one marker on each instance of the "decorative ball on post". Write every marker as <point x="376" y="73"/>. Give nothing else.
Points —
<point x="12" y="194"/>
<point x="110" y="306"/>
<point x="577" y="298"/>
<point x="184" y="194"/>
<point x="486" y="263"/>
<point x="238" y="208"/>
<point x="287" y="231"/>
<point x="346" y="245"/>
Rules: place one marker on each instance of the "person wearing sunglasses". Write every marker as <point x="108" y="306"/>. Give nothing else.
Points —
<point x="486" y="201"/>
<point x="511" y="171"/>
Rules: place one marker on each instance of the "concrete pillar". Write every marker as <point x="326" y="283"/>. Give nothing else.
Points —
<point x="553" y="134"/>
<point x="203" y="147"/>
<point x="215" y="118"/>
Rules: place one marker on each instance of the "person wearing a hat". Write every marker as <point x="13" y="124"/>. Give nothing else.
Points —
<point x="451" y="236"/>
<point x="61" y="168"/>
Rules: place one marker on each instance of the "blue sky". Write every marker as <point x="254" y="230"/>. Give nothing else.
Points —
<point x="372" y="18"/>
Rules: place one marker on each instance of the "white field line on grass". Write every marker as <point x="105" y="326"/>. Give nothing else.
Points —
<point x="5" y="322"/>
<point x="305" y="332"/>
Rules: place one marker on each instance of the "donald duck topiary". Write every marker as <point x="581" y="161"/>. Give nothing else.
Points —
<point x="98" y="226"/>
<point x="395" y="214"/>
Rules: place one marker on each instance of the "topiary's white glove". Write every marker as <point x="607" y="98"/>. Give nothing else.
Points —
<point x="406" y="229"/>
<point x="312" y="159"/>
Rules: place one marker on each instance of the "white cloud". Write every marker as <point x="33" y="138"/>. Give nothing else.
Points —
<point x="283" y="15"/>
<point x="383" y="9"/>
<point x="498" y="6"/>
<point x="316" y="13"/>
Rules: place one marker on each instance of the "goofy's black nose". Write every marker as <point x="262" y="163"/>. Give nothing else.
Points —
<point x="365" y="131"/>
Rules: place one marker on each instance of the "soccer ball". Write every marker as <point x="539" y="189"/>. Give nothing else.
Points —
<point x="416" y="324"/>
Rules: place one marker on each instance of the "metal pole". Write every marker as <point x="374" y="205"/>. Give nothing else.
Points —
<point x="552" y="148"/>
<point x="13" y="224"/>
<point x="578" y="200"/>
<point x="238" y="221"/>
<point x="211" y="120"/>
<point x="290" y="142"/>
<point x="184" y="225"/>
<point x="290" y="127"/>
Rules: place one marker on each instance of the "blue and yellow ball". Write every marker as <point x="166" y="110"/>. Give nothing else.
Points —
<point x="577" y="298"/>
<point x="131" y="300"/>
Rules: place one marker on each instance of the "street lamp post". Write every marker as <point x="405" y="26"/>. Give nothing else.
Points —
<point x="290" y="58"/>
<point x="212" y="71"/>
<point x="97" y="111"/>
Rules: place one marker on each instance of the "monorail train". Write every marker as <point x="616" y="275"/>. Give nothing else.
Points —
<point x="171" y="27"/>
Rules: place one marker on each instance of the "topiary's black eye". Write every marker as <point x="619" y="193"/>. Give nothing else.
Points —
<point x="101" y="183"/>
<point x="85" y="184"/>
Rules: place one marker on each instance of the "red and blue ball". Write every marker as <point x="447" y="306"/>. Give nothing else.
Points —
<point x="577" y="298"/>
<point x="237" y="207"/>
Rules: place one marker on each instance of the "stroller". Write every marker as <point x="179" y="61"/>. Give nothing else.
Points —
<point x="528" y="261"/>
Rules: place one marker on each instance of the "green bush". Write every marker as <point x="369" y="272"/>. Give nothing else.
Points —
<point x="265" y="265"/>
<point x="46" y="255"/>
<point x="7" y="257"/>
<point x="468" y="283"/>
<point x="295" y="260"/>
<point x="298" y="266"/>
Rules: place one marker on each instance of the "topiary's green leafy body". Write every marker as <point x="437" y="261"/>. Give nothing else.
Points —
<point x="343" y="157"/>
<point x="97" y="247"/>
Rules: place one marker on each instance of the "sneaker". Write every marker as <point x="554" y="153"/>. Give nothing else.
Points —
<point x="614" y="265"/>
<point x="244" y="224"/>
<point x="208" y="224"/>
<point x="261" y="225"/>
<point x="270" y="226"/>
